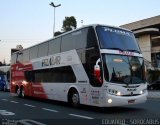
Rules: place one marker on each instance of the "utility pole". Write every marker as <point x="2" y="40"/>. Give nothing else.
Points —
<point x="53" y="5"/>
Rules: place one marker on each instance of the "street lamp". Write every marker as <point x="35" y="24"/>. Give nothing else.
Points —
<point x="52" y="4"/>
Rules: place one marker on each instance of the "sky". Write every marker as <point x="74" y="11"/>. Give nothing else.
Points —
<point x="28" y="22"/>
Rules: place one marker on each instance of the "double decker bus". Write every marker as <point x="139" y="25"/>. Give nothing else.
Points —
<point x="94" y="65"/>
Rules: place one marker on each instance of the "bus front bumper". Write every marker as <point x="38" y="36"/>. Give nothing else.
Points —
<point x="112" y="100"/>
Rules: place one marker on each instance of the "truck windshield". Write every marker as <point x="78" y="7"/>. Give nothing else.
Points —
<point x="114" y="38"/>
<point x="123" y="69"/>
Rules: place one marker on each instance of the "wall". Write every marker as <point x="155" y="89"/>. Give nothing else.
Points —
<point x="145" y="45"/>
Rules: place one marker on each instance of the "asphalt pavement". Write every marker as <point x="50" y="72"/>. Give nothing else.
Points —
<point x="31" y="111"/>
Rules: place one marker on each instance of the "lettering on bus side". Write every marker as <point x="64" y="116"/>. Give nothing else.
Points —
<point x="126" y="53"/>
<point x="45" y="62"/>
<point x="118" y="31"/>
<point x="51" y="61"/>
<point x="55" y="60"/>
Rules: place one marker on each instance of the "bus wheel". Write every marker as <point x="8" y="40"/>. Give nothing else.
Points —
<point x="74" y="99"/>
<point x="22" y="93"/>
<point x="18" y="92"/>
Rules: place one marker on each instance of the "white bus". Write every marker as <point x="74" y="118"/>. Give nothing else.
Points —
<point x="94" y="65"/>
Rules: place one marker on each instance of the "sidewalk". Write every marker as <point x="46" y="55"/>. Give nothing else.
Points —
<point x="153" y="94"/>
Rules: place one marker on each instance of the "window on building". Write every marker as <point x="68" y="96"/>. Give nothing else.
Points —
<point x="155" y="60"/>
<point x="155" y="43"/>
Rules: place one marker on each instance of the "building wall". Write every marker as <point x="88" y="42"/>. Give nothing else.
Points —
<point x="147" y="32"/>
<point x="156" y="49"/>
<point x="145" y="45"/>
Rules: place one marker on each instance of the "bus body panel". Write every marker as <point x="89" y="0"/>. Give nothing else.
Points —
<point x="122" y="101"/>
<point x="129" y="94"/>
<point x="53" y="75"/>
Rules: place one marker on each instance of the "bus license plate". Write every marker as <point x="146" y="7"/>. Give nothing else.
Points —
<point x="131" y="101"/>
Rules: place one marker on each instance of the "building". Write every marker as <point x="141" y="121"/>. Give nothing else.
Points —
<point x="147" y="32"/>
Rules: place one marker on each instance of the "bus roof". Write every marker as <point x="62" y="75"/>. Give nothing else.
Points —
<point x="65" y="33"/>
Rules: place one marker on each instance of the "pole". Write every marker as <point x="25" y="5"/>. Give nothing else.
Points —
<point x="54" y="21"/>
<point x="52" y="4"/>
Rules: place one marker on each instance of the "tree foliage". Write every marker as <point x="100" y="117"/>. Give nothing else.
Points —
<point x="57" y="33"/>
<point x="69" y="23"/>
<point x="1" y="64"/>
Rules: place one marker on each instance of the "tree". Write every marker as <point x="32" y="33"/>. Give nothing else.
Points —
<point x="4" y="62"/>
<point x="1" y="63"/>
<point x="57" y="33"/>
<point x="69" y="23"/>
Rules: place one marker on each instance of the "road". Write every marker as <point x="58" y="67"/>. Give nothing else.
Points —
<point x="29" y="111"/>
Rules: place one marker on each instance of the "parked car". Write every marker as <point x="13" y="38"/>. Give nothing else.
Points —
<point x="4" y="83"/>
<point x="5" y="78"/>
<point x="154" y="86"/>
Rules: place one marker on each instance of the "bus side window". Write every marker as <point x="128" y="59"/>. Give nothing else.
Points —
<point x="43" y="49"/>
<point x="54" y="46"/>
<point x="33" y="52"/>
<point x="29" y="75"/>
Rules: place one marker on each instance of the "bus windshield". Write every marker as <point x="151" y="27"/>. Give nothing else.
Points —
<point x="114" y="38"/>
<point x="123" y="69"/>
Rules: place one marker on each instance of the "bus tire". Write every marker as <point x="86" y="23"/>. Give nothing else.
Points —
<point x="74" y="98"/>
<point x="18" y="91"/>
<point x="22" y="92"/>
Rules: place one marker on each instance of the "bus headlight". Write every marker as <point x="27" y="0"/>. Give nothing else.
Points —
<point x="13" y="83"/>
<point x="143" y="91"/>
<point x="109" y="100"/>
<point x="118" y="93"/>
<point x="24" y="82"/>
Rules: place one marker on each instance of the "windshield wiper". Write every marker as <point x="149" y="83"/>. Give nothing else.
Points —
<point x="134" y="51"/>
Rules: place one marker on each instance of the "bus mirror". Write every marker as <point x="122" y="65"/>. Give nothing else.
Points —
<point x="97" y="72"/>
